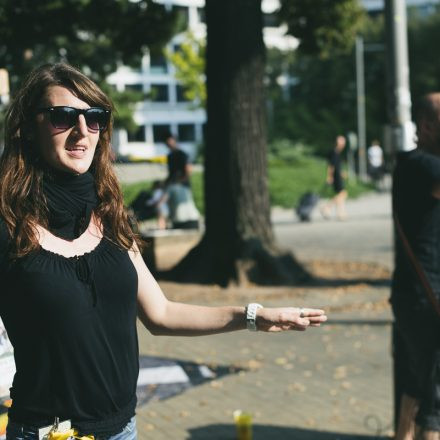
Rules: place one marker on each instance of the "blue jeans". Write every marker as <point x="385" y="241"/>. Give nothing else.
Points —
<point x="18" y="431"/>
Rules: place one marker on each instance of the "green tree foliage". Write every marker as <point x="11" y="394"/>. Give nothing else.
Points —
<point x="125" y="103"/>
<point x="189" y="64"/>
<point x="94" y="35"/>
<point x="423" y="37"/>
<point x="323" y="26"/>
<point x="322" y="100"/>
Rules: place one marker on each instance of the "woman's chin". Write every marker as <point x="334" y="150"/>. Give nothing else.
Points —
<point x="75" y="168"/>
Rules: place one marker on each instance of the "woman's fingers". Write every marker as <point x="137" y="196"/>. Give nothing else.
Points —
<point x="290" y="318"/>
<point x="315" y="316"/>
<point x="305" y="312"/>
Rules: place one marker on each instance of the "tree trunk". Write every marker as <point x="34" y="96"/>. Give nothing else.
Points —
<point x="238" y="244"/>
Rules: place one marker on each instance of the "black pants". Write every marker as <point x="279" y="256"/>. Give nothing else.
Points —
<point x="419" y="331"/>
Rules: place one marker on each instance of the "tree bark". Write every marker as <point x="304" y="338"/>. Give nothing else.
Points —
<point x="238" y="244"/>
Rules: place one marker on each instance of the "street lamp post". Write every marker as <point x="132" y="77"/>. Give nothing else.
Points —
<point x="399" y="97"/>
<point x="360" y="99"/>
<point x="402" y="136"/>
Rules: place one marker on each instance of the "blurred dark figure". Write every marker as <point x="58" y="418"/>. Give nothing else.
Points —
<point x="335" y="178"/>
<point x="158" y="203"/>
<point x="179" y="168"/>
<point x="183" y="212"/>
<point x="305" y="206"/>
<point x="416" y="206"/>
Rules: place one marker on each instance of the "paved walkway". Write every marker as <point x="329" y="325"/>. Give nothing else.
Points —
<point x="325" y="384"/>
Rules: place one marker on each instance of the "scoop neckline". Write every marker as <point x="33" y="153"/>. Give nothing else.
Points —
<point x="74" y="257"/>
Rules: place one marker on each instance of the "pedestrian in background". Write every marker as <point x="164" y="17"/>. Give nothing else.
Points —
<point x="183" y="212"/>
<point x="179" y="168"/>
<point x="73" y="277"/>
<point x="375" y="163"/>
<point x="416" y="207"/>
<point x="335" y="178"/>
<point x="158" y="203"/>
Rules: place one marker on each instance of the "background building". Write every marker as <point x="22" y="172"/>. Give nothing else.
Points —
<point x="425" y="6"/>
<point x="166" y="109"/>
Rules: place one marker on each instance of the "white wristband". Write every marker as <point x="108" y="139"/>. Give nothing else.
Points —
<point x="251" y="316"/>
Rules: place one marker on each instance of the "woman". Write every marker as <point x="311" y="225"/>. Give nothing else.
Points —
<point x="336" y="180"/>
<point x="73" y="279"/>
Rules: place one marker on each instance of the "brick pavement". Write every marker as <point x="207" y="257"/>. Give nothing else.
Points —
<point x="325" y="384"/>
<point x="319" y="384"/>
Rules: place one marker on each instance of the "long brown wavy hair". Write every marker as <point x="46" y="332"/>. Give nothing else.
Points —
<point x="22" y="202"/>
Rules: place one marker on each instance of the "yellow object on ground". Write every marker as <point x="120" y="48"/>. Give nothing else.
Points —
<point x="243" y="422"/>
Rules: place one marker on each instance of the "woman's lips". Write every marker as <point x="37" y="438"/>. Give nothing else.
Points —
<point x="76" y="151"/>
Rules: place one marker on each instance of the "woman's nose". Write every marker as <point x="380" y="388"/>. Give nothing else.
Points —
<point x="81" y="125"/>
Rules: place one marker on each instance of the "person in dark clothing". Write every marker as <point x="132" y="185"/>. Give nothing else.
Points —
<point x="179" y="168"/>
<point x="183" y="212"/>
<point x="73" y="277"/>
<point x="416" y="205"/>
<point x="336" y="180"/>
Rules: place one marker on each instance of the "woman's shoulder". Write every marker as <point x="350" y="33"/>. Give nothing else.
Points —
<point x="427" y="163"/>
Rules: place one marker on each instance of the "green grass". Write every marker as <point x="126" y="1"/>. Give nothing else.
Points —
<point x="287" y="182"/>
<point x="131" y="190"/>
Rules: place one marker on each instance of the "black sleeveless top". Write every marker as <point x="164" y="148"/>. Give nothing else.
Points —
<point x="72" y="323"/>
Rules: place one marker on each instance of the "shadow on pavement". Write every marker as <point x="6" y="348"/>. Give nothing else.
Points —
<point x="320" y="221"/>
<point x="264" y="432"/>
<point x="343" y="282"/>
<point x="162" y="378"/>
<point x="376" y="322"/>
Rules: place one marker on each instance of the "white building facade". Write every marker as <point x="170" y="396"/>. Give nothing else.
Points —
<point x="425" y="6"/>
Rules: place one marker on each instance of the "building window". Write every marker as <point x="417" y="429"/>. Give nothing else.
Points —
<point x="161" y="132"/>
<point x="186" y="132"/>
<point x="180" y="94"/>
<point x="159" y="93"/>
<point x="271" y="20"/>
<point x="158" y="63"/>
<point x="182" y="17"/>
<point x="134" y="87"/>
<point x="201" y="14"/>
<point x="136" y="136"/>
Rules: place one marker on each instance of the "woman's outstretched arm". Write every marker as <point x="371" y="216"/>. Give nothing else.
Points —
<point x="164" y="317"/>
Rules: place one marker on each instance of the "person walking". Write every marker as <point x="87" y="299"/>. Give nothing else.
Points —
<point x="73" y="277"/>
<point x="416" y="208"/>
<point x="336" y="180"/>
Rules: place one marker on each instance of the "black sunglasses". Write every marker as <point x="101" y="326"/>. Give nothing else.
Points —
<point x="64" y="117"/>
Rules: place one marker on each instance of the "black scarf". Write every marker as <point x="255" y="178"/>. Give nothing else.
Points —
<point x="71" y="200"/>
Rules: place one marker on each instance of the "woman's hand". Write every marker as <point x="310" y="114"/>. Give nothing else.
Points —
<point x="288" y="318"/>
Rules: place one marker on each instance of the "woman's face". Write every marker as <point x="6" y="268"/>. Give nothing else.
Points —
<point x="72" y="149"/>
